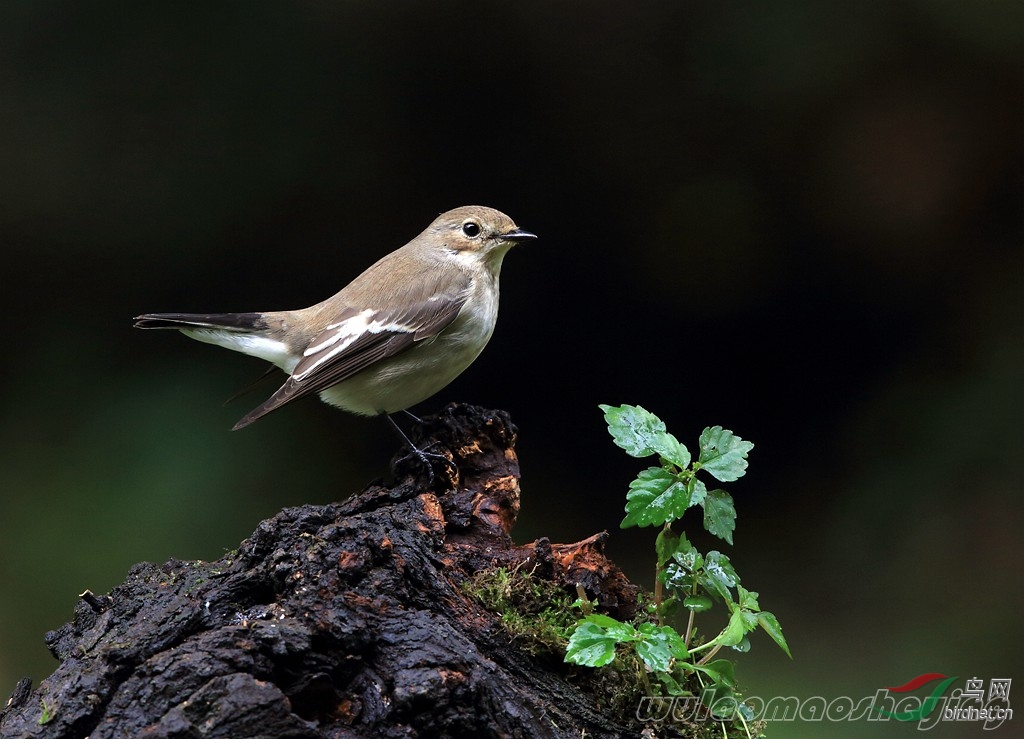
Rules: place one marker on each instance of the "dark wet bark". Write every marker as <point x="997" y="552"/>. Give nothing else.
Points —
<point x="342" y="620"/>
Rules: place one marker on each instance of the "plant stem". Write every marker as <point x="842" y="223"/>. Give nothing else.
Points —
<point x="706" y="645"/>
<point x="659" y="588"/>
<point x="707" y="657"/>
<point x="658" y="595"/>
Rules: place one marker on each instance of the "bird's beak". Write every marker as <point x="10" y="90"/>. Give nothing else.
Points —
<point x="518" y="235"/>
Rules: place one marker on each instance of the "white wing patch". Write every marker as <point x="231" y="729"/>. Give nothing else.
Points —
<point x="343" y="334"/>
<point x="345" y="331"/>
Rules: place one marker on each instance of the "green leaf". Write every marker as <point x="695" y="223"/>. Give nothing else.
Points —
<point x="686" y="562"/>
<point x="769" y="623"/>
<point x="698" y="491"/>
<point x="677" y="577"/>
<point x="718" y="576"/>
<point x="654" y="654"/>
<point x="593" y="642"/>
<point x="725" y="707"/>
<point x="675" y="642"/>
<point x="687" y="551"/>
<point x="672" y="450"/>
<point x="697" y="603"/>
<point x="734" y="631"/>
<point x="723" y="454"/>
<point x="749" y="619"/>
<point x="654" y="497"/>
<point x="747" y="598"/>
<point x="721" y="700"/>
<point x="669" y="607"/>
<point x="665" y="545"/>
<point x="720" y="514"/>
<point x="722" y="671"/>
<point x="641" y="433"/>
<point x="589" y="645"/>
<point x="659" y="645"/>
<point x="613" y="627"/>
<point x="743" y="646"/>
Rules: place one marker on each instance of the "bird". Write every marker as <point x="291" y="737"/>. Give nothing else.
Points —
<point x="393" y="337"/>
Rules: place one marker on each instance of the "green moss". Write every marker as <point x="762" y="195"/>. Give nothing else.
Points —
<point x="537" y="613"/>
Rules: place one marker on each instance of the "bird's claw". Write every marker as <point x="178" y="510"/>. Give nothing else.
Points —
<point x="428" y="460"/>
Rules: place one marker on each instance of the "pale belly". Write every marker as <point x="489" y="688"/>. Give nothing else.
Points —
<point x="416" y="374"/>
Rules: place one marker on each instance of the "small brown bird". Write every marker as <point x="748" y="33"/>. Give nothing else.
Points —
<point x="397" y="334"/>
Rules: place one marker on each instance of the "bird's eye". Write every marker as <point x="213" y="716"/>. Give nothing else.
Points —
<point x="470" y="229"/>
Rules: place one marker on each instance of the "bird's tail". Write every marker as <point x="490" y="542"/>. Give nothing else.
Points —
<point x="224" y="321"/>
<point x="248" y="333"/>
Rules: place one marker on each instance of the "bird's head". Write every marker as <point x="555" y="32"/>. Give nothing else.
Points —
<point x="474" y="229"/>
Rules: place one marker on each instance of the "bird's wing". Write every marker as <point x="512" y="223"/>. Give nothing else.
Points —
<point x="357" y="339"/>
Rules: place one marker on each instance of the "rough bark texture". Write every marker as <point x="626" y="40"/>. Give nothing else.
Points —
<point x="344" y="620"/>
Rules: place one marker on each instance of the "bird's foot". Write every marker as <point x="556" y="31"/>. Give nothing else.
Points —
<point x="427" y="460"/>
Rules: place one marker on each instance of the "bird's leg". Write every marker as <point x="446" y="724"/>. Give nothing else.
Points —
<point x="427" y="458"/>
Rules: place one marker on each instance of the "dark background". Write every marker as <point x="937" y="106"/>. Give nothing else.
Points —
<point x="800" y="220"/>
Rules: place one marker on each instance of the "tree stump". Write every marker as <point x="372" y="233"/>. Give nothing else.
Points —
<point x="341" y="620"/>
